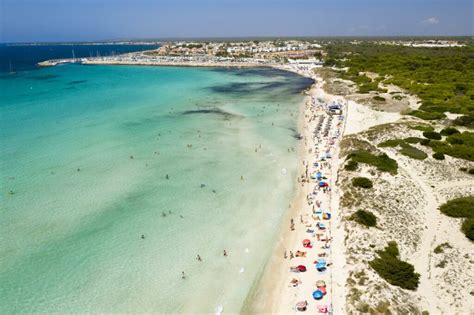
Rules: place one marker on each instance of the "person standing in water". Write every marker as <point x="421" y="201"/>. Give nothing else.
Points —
<point x="225" y="253"/>
<point x="198" y="258"/>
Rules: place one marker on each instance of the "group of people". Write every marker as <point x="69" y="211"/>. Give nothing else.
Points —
<point x="317" y="219"/>
<point x="199" y="259"/>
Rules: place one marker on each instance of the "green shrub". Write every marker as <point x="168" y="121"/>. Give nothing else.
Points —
<point x="422" y="128"/>
<point x="427" y="115"/>
<point x="391" y="143"/>
<point x="351" y="165"/>
<point x="468" y="228"/>
<point x="432" y="135"/>
<point x="425" y="142"/>
<point x="364" y="217"/>
<point x="378" y="98"/>
<point x="471" y="171"/>
<point x="449" y="131"/>
<point x="362" y="182"/>
<point x="413" y="152"/>
<point x="382" y="162"/>
<point x="393" y="270"/>
<point x="440" y="248"/>
<point x="438" y="156"/>
<point x="406" y="149"/>
<point x="413" y="140"/>
<point x="459" y="208"/>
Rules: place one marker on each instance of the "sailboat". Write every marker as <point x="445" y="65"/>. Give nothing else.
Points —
<point x="10" y="70"/>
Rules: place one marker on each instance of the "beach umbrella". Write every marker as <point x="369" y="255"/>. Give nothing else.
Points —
<point x="318" y="295"/>
<point x="320" y="267"/>
<point x="323" y="290"/>
<point x="306" y="242"/>
<point x="301" y="268"/>
<point x="320" y="283"/>
<point x="322" y="261"/>
<point x="326" y="216"/>
<point x="301" y="306"/>
<point x="323" y="309"/>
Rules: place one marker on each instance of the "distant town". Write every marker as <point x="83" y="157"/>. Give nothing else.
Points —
<point x="236" y="53"/>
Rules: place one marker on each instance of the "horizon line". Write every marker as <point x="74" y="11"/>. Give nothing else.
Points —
<point x="165" y="39"/>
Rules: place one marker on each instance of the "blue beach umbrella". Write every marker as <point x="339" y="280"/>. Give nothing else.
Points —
<point x="318" y="295"/>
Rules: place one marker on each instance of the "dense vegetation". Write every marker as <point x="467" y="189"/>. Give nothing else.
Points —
<point x="458" y="145"/>
<point x="364" y="217"/>
<point x="362" y="182"/>
<point x="461" y="208"/>
<point x="395" y="271"/>
<point x="443" y="78"/>
<point x="382" y="162"/>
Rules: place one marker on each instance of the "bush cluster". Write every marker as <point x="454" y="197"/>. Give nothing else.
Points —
<point x="406" y="149"/>
<point x="458" y="145"/>
<point x="382" y="162"/>
<point x="395" y="271"/>
<point x="466" y="121"/>
<point x="364" y="217"/>
<point x="433" y="135"/>
<point x="461" y="208"/>
<point x="351" y="166"/>
<point x="449" y="131"/>
<point x="362" y="182"/>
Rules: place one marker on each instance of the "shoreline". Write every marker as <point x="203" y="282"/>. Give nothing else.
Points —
<point x="273" y="292"/>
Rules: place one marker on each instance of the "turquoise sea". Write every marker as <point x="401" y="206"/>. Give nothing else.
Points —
<point x="93" y="157"/>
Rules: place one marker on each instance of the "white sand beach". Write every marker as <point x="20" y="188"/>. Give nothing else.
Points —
<point x="314" y="214"/>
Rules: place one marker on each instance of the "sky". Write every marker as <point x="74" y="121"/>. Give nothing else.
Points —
<point x="89" y="20"/>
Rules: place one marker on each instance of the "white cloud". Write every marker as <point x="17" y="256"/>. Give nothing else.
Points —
<point x="431" y="21"/>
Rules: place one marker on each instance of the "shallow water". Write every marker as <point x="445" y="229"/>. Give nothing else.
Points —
<point x="86" y="151"/>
